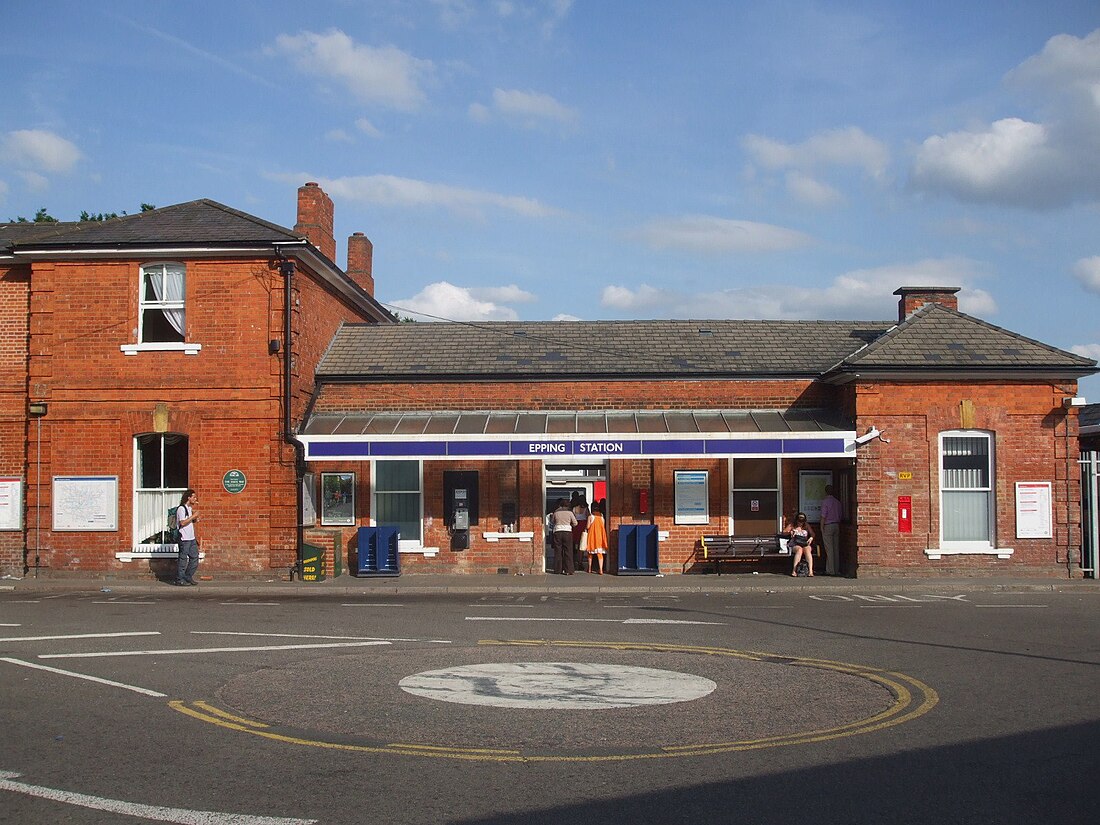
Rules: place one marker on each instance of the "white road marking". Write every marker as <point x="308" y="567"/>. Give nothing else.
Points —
<point x="371" y="604"/>
<point x="154" y="812"/>
<point x="81" y="636"/>
<point x="10" y="624"/>
<point x="251" y="604"/>
<point x="134" y="688"/>
<point x="169" y="652"/>
<point x="309" y="636"/>
<point x="612" y="621"/>
<point x="500" y="605"/>
<point x="1012" y="605"/>
<point x="119" y="601"/>
<point x="557" y="685"/>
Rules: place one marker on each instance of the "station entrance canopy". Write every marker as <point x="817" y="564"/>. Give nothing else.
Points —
<point x="558" y="435"/>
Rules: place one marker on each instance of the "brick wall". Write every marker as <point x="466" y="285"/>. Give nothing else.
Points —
<point x="14" y="302"/>
<point x="1031" y="443"/>
<point x="226" y="399"/>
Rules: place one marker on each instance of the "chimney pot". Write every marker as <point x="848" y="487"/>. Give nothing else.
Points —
<point x="315" y="219"/>
<point x="361" y="261"/>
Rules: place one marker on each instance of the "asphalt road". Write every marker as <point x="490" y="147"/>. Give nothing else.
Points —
<point x="198" y="707"/>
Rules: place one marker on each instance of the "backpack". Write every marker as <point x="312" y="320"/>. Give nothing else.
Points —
<point x="803" y="568"/>
<point x="173" y="531"/>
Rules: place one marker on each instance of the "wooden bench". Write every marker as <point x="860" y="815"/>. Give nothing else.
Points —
<point x="718" y="549"/>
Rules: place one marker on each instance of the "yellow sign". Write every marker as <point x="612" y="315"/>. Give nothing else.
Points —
<point x="906" y="476"/>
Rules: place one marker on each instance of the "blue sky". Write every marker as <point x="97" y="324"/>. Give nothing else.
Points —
<point x="556" y="159"/>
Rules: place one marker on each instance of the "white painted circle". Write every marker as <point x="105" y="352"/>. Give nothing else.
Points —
<point x="558" y="685"/>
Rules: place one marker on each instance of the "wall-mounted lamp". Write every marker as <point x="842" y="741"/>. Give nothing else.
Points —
<point x="1075" y="401"/>
<point x="273" y="346"/>
<point x="37" y="409"/>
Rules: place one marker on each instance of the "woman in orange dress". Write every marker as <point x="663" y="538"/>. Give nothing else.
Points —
<point x="597" y="539"/>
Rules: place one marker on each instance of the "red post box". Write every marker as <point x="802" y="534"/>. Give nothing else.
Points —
<point x="905" y="514"/>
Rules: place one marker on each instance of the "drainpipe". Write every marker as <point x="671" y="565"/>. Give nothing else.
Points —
<point x="286" y="268"/>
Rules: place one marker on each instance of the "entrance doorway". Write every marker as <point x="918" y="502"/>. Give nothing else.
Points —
<point x="563" y="481"/>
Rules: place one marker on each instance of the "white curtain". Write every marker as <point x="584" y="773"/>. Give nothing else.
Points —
<point x="170" y="289"/>
<point x="966" y="488"/>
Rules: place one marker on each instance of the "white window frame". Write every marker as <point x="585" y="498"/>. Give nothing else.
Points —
<point x="170" y="496"/>
<point x="976" y="547"/>
<point x="145" y="304"/>
<point x="403" y="545"/>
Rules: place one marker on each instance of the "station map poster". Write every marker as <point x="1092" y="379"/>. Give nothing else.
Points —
<point x="11" y="503"/>
<point x="692" y="498"/>
<point x="85" y="503"/>
<point x="1033" y="510"/>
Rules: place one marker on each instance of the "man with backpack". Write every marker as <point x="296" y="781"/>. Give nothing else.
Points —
<point x="188" y="561"/>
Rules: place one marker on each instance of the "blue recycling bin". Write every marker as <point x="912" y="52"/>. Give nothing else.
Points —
<point x="638" y="550"/>
<point x="377" y="551"/>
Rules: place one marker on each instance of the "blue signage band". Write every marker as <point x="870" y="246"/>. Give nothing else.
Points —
<point x="549" y="448"/>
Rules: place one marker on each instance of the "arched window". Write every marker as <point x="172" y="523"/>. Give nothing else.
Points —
<point x="160" y="477"/>
<point x="966" y="489"/>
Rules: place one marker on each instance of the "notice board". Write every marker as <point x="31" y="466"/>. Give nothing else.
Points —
<point x="85" y="503"/>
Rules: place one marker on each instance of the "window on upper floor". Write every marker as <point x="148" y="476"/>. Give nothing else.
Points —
<point x="161" y="318"/>
<point x="161" y="322"/>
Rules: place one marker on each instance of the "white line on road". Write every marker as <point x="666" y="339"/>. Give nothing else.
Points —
<point x="10" y="624"/>
<point x="612" y="621"/>
<point x="500" y="605"/>
<point x="119" y="601"/>
<point x="1012" y="605"/>
<point x="889" y="605"/>
<point x="81" y="636"/>
<point x="154" y="812"/>
<point x="134" y="688"/>
<point x="307" y="636"/>
<point x="168" y="652"/>
<point x="371" y="604"/>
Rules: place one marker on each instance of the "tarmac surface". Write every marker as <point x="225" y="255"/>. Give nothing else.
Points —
<point x="424" y="583"/>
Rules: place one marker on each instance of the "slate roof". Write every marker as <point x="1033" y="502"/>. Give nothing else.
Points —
<point x="195" y="222"/>
<point x="934" y="339"/>
<point x="937" y="338"/>
<point x="549" y="349"/>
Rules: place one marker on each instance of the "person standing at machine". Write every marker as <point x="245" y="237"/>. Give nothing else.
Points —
<point x="580" y="510"/>
<point x="562" y="521"/>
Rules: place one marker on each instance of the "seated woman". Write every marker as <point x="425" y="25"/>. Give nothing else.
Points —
<point x="800" y="542"/>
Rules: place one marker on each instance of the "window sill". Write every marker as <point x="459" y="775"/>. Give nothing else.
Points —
<point x="999" y="552"/>
<point x="152" y="551"/>
<point x="419" y="551"/>
<point x="185" y="348"/>
<point x="517" y="536"/>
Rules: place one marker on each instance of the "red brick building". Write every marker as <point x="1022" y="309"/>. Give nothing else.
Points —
<point x="198" y="346"/>
<point x="150" y="353"/>
<point x="949" y="441"/>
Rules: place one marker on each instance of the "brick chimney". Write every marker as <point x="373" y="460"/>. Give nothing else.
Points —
<point x="315" y="219"/>
<point x="360" y="261"/>
<point x="914" y="297"/>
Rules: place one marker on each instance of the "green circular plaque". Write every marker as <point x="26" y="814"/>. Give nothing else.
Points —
<point x="234" y="481"/>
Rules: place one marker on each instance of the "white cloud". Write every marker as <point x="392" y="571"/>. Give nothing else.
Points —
<point x="337" y="136"/>
<point x="367" y="128"/>
<point x="1007" y="162"/>
<point x="859" y="294"/>
<point x="510" y="294"/>
<point x="34" y="181"/>
<point x="383" y="75"/>
<point x="39" y="151"/>
<point x="708" y="234"/>
<point x="388" y="190"/>
<point x="808" y="190"/>
<point x="1087" y="271"/>
<point x="1044" y="161"/>
<point x="3" y="190"/>
<point x="851" y="147"/>
<point x="527" y="109"/>
<point x="443" y="301"/>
